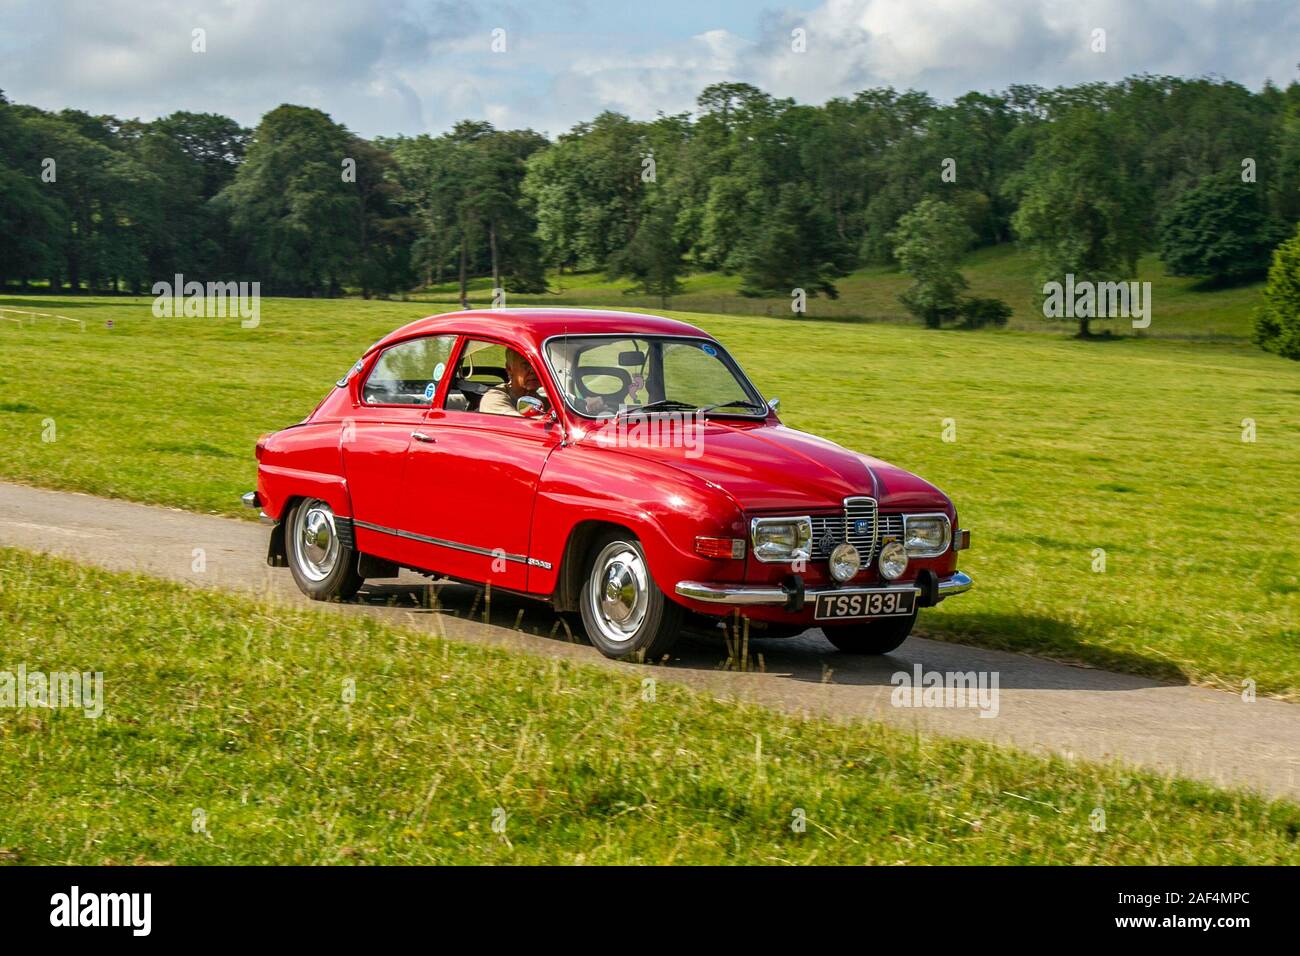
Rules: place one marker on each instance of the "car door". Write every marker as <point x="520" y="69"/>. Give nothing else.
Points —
<point x="391" y="404"/>
<point x="471" y="480"/>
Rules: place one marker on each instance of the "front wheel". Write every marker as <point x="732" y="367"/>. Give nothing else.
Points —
<point x="879" y="636"/>
<point x="322" y="566"/>
<point x="624" y="613"/>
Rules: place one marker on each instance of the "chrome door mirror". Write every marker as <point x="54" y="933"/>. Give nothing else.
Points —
<point x="529" y="406"/>
<point x="774" y="403"/>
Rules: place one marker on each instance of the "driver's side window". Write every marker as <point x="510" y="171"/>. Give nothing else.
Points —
<point x="408" y="373"/>
<point x="483" y="380"/>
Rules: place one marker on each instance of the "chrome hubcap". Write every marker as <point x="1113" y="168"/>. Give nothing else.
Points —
<point x="618" y="592"/>
<point x="318" y="541"/>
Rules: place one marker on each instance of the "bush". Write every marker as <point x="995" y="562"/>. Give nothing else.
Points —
<point x="977" y="312"/>
<point x="1277" y="322"/>
<point x="1219" y="228"/>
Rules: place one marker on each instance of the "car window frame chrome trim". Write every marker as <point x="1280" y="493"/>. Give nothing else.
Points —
<point x="379" y="354"/>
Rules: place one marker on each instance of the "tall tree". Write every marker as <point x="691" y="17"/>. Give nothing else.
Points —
<point x="795" y="249"/>
<point x="653" y="259"/>
<point x="31" y="218"/>
<point x="928" y="245"/>
<point x="1081" y="206"/>
<point x="290" y="199"/>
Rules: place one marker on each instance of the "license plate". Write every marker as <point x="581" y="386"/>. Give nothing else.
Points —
<point x="879" y="603"/>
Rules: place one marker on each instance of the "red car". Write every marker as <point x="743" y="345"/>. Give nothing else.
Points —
<point x="614" y="464"/>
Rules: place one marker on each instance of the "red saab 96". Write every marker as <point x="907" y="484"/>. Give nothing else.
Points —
<point x="614" y="464"/>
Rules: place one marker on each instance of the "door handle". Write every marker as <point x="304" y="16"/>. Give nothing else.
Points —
<point x="421" y="436"/>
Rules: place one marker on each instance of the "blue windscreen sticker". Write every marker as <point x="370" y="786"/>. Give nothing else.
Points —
<point x="708" y="349"/>
<point x="428" y="391"/>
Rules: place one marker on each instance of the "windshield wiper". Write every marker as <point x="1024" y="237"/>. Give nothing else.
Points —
<point x="738" y="403"/>
<point x="664" y="404"/>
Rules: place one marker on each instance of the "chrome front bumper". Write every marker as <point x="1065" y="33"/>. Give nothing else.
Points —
<point x="739" y="594"/>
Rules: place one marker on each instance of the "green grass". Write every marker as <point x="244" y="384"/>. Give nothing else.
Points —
<point x="1063" y="446"/>
<point x="1181" y="309"/>
<point x="236" y="709"/>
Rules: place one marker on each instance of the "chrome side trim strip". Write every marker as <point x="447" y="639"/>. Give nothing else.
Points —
<point x="443" y="543"/>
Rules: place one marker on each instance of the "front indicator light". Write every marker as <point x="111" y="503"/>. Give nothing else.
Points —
<point x="893" y="560"/>
<point x="720" y="547"/>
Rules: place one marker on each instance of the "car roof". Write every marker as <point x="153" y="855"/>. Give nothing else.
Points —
<point x="534" y="326"/>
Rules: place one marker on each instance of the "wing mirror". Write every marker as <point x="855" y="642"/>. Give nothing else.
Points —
<point x="774" y="403"/>
<point x="529" y="406"/>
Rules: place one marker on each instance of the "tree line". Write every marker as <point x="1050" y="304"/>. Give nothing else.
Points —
<point x="1204" y="171"/>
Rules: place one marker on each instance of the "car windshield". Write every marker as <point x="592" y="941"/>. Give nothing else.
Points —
<point x="604" y="375"/>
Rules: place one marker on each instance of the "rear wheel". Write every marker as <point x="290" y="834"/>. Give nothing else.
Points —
<point x="624" y="613"/>
<point x="879" y="636"/>
<point x="322" y="566"/>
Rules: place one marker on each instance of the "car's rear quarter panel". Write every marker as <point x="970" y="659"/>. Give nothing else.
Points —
<point x="303" y="461"/>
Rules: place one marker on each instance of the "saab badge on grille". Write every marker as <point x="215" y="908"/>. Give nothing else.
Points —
<point x="861" y="526"/>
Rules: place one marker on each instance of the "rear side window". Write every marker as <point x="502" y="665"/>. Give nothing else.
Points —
<point x="408" y="373"/>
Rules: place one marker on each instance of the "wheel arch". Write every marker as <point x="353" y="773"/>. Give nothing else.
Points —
<point x="277" y="555"/>
<point x="568" y="583"/>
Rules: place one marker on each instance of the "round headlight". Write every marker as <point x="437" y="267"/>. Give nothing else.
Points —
<point x="845" y="562"/>
<point x="893" y="560"/>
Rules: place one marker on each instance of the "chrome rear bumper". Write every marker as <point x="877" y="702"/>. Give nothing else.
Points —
<point x="252" y="500"/>
<point x="740" y="594"/>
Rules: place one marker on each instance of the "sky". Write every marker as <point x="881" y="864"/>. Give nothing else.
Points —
<point x="411" y="66"/>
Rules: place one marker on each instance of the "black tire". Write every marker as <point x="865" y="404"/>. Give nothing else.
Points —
<point x="323" y="568"/>
<point x="879" y="636"/>
<point x="652" y="623"/>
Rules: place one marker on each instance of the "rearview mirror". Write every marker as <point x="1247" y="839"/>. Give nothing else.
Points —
<point x="631" y="359"/>
<point x="529" y="406"/>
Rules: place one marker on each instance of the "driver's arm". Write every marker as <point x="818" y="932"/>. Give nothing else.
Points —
<point x="496" y="401"/>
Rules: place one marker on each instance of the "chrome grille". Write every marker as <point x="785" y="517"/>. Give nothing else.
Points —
<point x="858" y="524"/>
<point x="891" y="526"/>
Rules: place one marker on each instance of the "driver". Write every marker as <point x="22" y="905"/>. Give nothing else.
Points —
<point x="520" y="380"/>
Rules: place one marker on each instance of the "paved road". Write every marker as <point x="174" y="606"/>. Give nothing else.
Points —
<point x="1042" y="706"/>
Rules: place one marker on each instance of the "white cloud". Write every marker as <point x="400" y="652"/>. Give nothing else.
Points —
<point x="948" y="47"/>
<point x="411" y="65"/>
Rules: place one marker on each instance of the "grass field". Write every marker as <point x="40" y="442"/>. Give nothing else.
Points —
<point x="1181" y="309"/>
<point x="1062" y="447"/>
<point x="226" y="713"/>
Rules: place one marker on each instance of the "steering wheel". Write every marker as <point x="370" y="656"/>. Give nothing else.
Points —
<point x="586" y="389"/>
